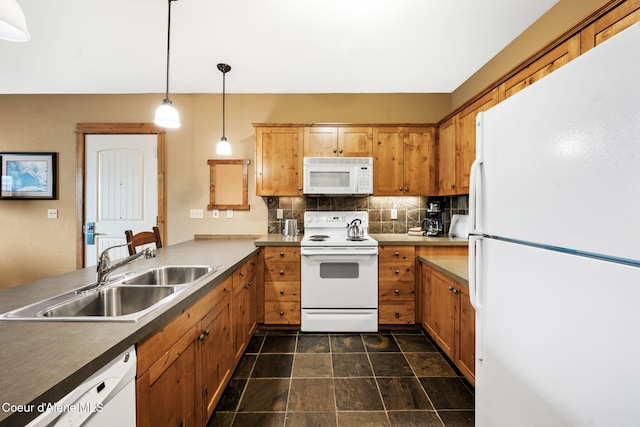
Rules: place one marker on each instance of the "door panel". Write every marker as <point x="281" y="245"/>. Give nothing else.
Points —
<point x="121" y="189"/>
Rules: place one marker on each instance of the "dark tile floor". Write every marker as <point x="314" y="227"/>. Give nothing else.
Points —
<point x="393" y="378"/>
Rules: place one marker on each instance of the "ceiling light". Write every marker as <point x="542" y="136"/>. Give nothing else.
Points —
<point x="223" y="148"/>
<point x="166" y="114"/>
<point x="13" y="26"/>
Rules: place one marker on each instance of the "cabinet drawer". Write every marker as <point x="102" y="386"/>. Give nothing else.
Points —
<point x="280" y="253"/>
<point x="282" y="291"/>
<point x="282" y="271"/>
<point x="397" y="253"/>
<point x="397" y="313"/>
<point x="282" y="313"/>
<point x="398" y="271"/>
<point x="396" y="291"/>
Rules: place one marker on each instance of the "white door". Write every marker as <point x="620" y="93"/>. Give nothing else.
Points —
<point x="121" y="190"/>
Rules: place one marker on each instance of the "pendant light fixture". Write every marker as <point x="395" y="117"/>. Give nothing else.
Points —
<point x="13" y="25"/>
<point x="166" y="114"/>
<point x="223" y="148"/>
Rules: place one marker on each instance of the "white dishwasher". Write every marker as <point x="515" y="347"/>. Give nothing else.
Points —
<point x="106" y="399"/>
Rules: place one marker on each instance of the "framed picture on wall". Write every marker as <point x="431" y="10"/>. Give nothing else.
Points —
<point x="28" y="175"/>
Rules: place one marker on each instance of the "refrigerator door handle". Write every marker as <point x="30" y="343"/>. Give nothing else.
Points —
<point x="475" y="288"/>
<point x="475" y="176"/>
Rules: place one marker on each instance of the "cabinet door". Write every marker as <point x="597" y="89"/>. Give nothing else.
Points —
<point x="320" y="142"/>
<point x="419" y="161"/>
<point x="387" y="161"/>
<point x="238" y="316"/>
<point x="355" y="141"/>
<point x="440" y="312"/>
<point x="466" y="139"/>
<point x="166" y="394"/>
<point x="466" y="346"/>
<point x="447" y="157"/>
<point x="619" y="18"/>
<point x="279" y="161"/>
<point x="215" y="353"/>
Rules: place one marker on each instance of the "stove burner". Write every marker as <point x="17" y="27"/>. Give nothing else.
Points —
<point x="356" y="239"/>
<point x="318" y="237"/>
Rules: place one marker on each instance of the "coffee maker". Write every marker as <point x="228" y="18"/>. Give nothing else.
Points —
<point x="433" y="224"/>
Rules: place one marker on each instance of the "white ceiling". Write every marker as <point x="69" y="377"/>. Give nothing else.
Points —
<point x="273" y="46"/>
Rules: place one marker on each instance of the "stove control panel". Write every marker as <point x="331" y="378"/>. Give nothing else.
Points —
<point x="324" y="219"/>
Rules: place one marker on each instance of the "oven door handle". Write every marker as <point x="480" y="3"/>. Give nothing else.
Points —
<point x="340" y="253"/>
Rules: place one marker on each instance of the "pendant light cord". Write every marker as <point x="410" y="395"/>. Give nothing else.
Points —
<point x="168" y="47"/>
<point x="224" y="75"/>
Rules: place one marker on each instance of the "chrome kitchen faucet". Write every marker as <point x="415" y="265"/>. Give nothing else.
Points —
<point x="105" y="268"/>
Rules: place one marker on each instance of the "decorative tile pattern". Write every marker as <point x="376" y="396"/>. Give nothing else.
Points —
<point x="385" y="379"/>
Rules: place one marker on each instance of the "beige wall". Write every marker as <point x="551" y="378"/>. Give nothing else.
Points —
<point x="33" y="247"/>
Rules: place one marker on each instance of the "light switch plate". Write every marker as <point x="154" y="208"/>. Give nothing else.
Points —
<point x="279" y="214"/>
<point x="196" y="213"/>
<point x="52" y="214"/>
<point x="229" y="213"/>
<point x="394" y="213"/>
<point x="216" y="213"/>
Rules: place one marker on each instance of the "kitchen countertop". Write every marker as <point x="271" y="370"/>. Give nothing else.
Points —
<point x="383" y="239"/>
<point x="454" y="266"/>
<point x="42" y="361"/>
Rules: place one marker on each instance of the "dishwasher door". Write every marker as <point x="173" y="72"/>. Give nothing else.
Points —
<point x="106" y="399"/>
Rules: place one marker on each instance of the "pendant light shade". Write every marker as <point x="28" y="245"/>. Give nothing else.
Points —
<point x="13" y="26"/>
<point x="166" y="114"/>
<point x="223" y="148"/>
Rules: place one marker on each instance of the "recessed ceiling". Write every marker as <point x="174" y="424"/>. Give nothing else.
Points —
<point x="273" y="46"/>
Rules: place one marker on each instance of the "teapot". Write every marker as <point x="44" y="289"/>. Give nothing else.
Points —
<point x="354" y="229"/>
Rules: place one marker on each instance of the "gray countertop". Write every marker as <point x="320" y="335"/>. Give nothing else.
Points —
<point x="454" y="266"/>
<point x="42" y="361"/>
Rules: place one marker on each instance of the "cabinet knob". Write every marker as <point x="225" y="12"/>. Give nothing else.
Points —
<point x="241" y="274"/>
<point x="299" y="188"/>
<point x="335" y="150"/>
<point x="452" y="186"/>
<point x="397" y="254"/>
<point x="455" y="291"/>
<point x="450" y="288"/>
<point x="281" y="291"/>
<point x="340" y="151"/>
<point x="248" y="285"/>
<point x="406" y="188"/>
<point x="397" y="314"/>
<point x="281" y="254"/>
<point x="400" y="188"/>
<point x="281" y="272"/>
<point x="397" y="271"/>
<point x="281" y="313"/>
<point x="397" y="291"/>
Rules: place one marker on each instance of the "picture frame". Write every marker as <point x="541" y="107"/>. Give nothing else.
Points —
<point x="28" y="176"/>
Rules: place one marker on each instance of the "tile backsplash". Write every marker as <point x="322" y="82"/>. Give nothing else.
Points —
<point x="410" y="210"/>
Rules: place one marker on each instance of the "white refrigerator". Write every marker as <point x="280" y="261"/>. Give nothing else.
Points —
<point x="554" y="265"/>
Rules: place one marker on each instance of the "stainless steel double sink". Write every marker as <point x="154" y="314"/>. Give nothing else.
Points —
<point x="124" y="299"/>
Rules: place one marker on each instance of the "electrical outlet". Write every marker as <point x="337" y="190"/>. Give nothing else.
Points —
<point x="196" y="214"/>
<point x="279" y="214"/>
<point x="216" y="213"/>
<point x="229" y="213"/>
<point x="52" y="214"/>
<point x="394" y="213"/>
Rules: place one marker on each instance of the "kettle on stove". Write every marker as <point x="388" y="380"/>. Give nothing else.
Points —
<point x="354" y="229"/>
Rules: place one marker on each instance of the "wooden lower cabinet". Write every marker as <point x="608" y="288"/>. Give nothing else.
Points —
<point x="244" y="305"/>
<point x="449" y="318"/>
<point x="282" y="285"/>
<point x="396" y="285"/>
<point x="184" y="367"/>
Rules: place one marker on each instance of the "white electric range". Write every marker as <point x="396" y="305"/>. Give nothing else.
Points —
<point x="339" y="275"/>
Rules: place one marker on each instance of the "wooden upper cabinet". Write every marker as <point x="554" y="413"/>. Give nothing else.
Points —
<point x="278" y="161"/>
<point x="545" y="65"/>
<point x="337" y="141"/>
<point x="447" y="157"/>
<point x="320" y="141"/>
<point x="420" y="161"/>
<point x="466" y="138"/>
<point x="355" y="141"/>
<point x="388" y="161"/>
<point x="608" y="25"/>
<point x="404" y="161"/>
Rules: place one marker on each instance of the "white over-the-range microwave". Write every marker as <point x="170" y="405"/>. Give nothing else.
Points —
<point x="334" y="176"/>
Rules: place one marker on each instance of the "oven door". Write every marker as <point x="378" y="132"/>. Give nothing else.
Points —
<point x="339" y="277"/>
